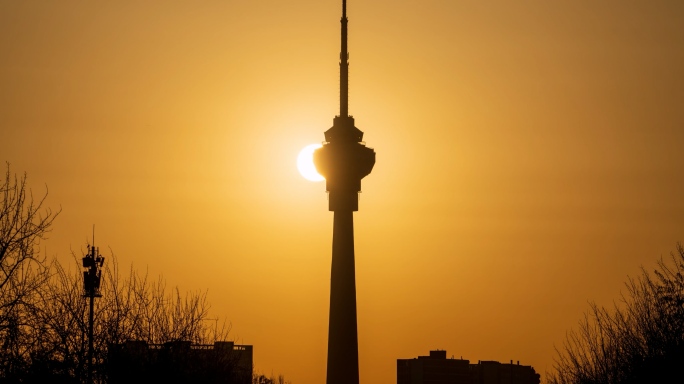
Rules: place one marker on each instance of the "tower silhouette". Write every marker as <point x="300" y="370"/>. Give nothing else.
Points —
<point x="343" y="160"/>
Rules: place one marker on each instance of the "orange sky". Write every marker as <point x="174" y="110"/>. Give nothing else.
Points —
<point x="529" y="158"/>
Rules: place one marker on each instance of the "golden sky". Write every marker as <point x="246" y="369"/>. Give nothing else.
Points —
<point x="529" y="157"/>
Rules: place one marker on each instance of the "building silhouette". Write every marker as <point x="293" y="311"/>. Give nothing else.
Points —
<point x="179" y="362"/>
<point x="437" y="369"/>
<point x="343" y="160"/>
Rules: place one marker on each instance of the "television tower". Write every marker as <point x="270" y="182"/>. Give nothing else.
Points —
<point x="343" y="160"/>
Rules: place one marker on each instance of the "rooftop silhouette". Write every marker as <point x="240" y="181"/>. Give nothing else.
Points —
<point x="180" y="362"/>
<point x="437" y="369"/>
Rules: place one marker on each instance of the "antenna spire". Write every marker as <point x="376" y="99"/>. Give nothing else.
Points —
<point x="344" y="65"/>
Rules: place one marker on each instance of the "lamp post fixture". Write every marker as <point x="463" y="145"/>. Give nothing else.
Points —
<point x="92" y="262"/>
<point x="343" y="160"/>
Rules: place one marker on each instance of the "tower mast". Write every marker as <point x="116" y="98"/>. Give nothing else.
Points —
<point x="344" y="65"/>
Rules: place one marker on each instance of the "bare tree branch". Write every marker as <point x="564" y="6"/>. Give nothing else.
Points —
<point x="641" y="339"/>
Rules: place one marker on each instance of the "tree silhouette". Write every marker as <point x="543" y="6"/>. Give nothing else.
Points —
<point x="43" y="314"/>
<point x="23" y="223"/>
<point x="640" y="340"/>
<point x="131" y="308"/>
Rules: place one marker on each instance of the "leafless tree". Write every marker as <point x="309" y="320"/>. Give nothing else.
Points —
<point x="24" y="222"/>
<point x="640" y="340"/>
<point x="131" y="308"/>
<point x="43" y="312"/>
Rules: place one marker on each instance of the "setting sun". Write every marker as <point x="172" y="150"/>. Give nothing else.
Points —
<point x="305" y="163"/>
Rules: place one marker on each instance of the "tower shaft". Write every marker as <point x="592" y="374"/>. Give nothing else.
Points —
<point x="343" y="349"/>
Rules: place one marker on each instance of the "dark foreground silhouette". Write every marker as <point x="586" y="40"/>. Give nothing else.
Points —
<point x="48" y="333"/>
<point x="180" y="362"/>
<point x="437" y="369"/>
<point x="640" y="340"/>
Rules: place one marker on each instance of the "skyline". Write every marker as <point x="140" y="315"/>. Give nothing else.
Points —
<point x="535" y="153"/>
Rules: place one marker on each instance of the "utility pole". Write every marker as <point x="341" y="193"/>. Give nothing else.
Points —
<point x="92" y="262"/>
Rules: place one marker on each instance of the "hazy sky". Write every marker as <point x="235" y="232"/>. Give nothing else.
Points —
<point x="529" y="158"/>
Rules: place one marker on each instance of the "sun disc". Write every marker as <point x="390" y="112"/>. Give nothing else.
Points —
<point x="305" y="163"/>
